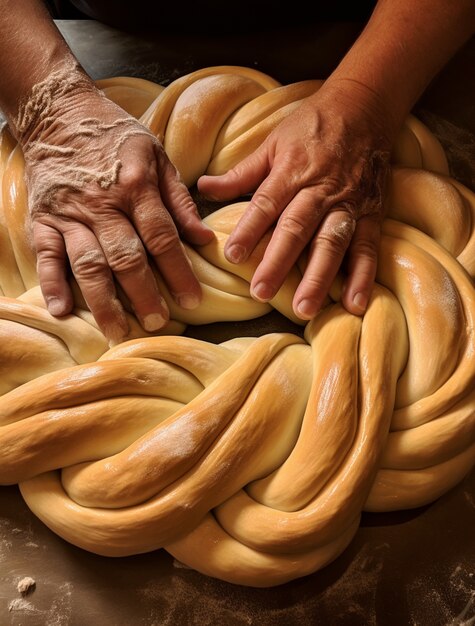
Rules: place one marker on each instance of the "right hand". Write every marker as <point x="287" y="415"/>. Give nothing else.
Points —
<point x="104" y="195"/>
<point x="318" y="181"/>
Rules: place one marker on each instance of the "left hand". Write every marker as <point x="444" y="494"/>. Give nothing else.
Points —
<point x="319" y="178"/>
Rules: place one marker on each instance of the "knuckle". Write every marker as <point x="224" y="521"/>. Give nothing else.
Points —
<point x="294" y="227"/>
<point x="330" y="247"/>
<point x="127" y="258"/>
<point x="313" y="285"/>
<point x="48" y="255"/>
<point x="89" y="264"/>
<point x="163" y="241"/>
<point x="180" y="199"/>
<point x="297" y="161"/>
<point x="365" y="248"/>
<point x="186" y="215"/>
<point x="343" y="230"/>
<point x="265" y="207"/>
<point x="331" y="244"/>
<point x="134" y="175"/>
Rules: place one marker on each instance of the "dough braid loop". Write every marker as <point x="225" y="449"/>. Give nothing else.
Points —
<point x="250" y="460"/>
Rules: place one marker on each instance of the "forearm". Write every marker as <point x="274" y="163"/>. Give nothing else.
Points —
<point x="31" y="48"/>
<point x="403" y="47"/>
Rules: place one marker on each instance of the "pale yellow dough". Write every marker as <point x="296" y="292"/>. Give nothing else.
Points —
<point x="251" y="460"/>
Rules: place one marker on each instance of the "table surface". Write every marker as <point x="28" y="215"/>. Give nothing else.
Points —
<point x="406" y="568"/>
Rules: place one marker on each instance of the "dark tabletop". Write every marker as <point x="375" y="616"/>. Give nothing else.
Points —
<point x="406" y="568"/>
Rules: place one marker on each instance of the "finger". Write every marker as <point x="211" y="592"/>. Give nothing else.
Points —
<point x="243" y="178"/>
<point x="126" y="257"/>
<point x="264" y="209"/>
<point x="95" y="280"/>
<point x="160" y="237"/>
<point x="180" y="203"/>
<point x="295" y="228"/>
<point x="362" y="264"/>
<point x="327" y="251"/>
<point x="52" y="269"/>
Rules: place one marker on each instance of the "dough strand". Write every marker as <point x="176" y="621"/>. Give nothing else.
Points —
<point x="250" y="460"/>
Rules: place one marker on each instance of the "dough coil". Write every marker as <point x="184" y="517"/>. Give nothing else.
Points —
<point x="250" y="460"/>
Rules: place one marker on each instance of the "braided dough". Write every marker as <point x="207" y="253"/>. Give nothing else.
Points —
<point x="249" y="460"/>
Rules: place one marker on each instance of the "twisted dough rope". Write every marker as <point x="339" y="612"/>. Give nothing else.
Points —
<point x="250" y="460"/>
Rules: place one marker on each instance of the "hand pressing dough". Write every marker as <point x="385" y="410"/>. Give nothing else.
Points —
<point x="251" y="460"/>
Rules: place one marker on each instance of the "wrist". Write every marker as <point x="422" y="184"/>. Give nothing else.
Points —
<point x="366" y="104"/>
<point x="58" y="91"/>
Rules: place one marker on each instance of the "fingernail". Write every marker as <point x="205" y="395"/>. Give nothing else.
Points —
<point x="55" y="306"/>
<point x="307" y="308"/>
<point x="360" y="301"/>
<point x="262" y="291"/>
<point x="235" y="253"/>
<point x="153" y="321"/>
<point x="188" y="300"/>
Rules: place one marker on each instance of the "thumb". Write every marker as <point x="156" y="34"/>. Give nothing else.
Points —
<point x="243" y="178"/>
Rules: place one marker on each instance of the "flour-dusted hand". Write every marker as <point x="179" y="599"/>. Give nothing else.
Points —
<point x="103" y="195"/>
<point x="319" y="179"/>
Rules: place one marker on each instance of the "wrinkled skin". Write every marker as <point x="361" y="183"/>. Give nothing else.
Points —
<point x="112" y="236"/>
<point x="319" y="179"/>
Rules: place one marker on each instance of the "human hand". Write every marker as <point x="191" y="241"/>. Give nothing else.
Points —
<point x="104" y="195"/>
<point x="319" y="179"/>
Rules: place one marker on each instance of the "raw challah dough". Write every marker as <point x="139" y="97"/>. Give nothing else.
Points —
<point x="250" y="460"/>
